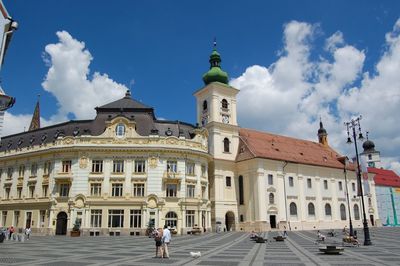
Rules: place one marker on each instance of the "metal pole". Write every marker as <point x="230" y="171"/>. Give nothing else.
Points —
<point x="348" y="201"/>
<point x="367" y="239"/>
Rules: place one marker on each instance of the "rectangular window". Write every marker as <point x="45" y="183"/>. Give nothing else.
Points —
<point x="31" y="191"/>
<point x="45" y="189"/>
<point x="270" y="179"/>
<point x="64" y="190"/>
<point x="116" y="190"/>
<point x="97" y="166"/>
<point x="19" y="192"/>
<point x="7" y="192"/>
<point x="47" y="168"/>
<point x="228" y="181"/>
<point x="171" y="190"/>
<point x="115" y="218"/>
<point x="190" y="168"/>
<point x="4" y="218"/>
<point x="189" y="218"/>
<point x="291" y="183"/>
<point x="42" y="215"/>
<point x="172" y="166"/>
<point x="95" y="218"/>
<point x="340" y="186"/>
<point x="95" y="189"/>
<point x="325" y="184"/>
<point x="10" y="171"/>
<point x="140" y="166"/>
<point x="16" y="218"/>
<point x="118" y="166"/>
<point x="309" y="185"/>
<point x="66" y="166"/>
<point x="190" y="190"/>
<point x="138" y="189"/>
<point x="353" y="186"/>
<point x="136" y="219"/>
<point x="21" y="170"/>
<point x="203" y="170"/>
<point x="34" y="167"/>
<point x="203" y="192"/>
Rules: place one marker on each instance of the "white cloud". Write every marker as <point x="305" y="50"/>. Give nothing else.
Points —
<point x="69" y="80"/>
<point x="290" y="95"/>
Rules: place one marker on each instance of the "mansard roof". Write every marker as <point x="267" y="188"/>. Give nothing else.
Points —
<point x="256" y="144"/>
<point x="141" y="114"/>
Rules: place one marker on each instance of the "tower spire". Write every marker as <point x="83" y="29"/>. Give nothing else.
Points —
<point x="35" y="122"/>
<point x="322" y="134"/>
<point x="215" y="74"/>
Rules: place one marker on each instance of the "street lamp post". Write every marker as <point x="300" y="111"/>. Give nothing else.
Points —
<point x="353" y="124"/>
<point x="345" y="161"/>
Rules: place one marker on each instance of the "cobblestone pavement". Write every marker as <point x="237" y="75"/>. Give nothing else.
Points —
<point x="233" y="248"/>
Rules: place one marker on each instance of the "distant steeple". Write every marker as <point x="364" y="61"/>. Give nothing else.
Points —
<point x="35" y="123"/>
<point x="322" y="135"/>
<point x="215" y="74"/>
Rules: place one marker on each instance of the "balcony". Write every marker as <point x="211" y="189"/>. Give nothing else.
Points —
<point x="172" y="177"/>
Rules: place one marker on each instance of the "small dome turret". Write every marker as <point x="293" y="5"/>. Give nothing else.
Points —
<point x="215" y="73"/>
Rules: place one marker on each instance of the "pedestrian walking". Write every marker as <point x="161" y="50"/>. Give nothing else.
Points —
<point x="166" y="240"/>
<point x="28" y="231"/>
<point x="11" y="231"/>
<point x="158" y="239"/>
<point x="284" y="231"/>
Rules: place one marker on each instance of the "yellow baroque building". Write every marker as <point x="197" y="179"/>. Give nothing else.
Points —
<point x="125" y="170"/>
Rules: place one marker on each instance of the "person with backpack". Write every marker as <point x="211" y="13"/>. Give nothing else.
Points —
<point x="157" y="238"/>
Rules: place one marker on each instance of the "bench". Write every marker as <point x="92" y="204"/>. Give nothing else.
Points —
<point x="279" y="238"/>
<point x="331" y="250"/>
<point x="195" y="230"/>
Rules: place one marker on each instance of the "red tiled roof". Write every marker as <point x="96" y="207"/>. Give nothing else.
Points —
<point x="385" y="177"/>
<point x="270" y="146"/>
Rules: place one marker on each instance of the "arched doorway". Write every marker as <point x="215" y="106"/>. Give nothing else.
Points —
<point x="230" y="221"/>
<point x="61" y="227"/>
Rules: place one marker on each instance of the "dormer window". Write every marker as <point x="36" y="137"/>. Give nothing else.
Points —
<point x="224" y="104"/>
<point x="120" y="130"/>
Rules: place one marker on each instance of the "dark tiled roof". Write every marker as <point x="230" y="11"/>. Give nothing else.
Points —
<point x="256" y="144"/>
<point x="142" y="115"/>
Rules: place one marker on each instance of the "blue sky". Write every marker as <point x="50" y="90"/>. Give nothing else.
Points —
<point x="273" y="49"/>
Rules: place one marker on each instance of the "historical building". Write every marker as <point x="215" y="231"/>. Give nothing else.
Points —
<point x="124" y="169"/>
<point x="113" y="174"/>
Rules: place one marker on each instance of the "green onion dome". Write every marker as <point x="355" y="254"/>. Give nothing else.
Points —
<point x="215" y="73"/>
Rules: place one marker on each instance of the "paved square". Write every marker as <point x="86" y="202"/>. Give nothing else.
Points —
<point x="233" y="248"/>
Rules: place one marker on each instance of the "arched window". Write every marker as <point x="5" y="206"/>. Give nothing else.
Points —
<point x="293" y="209"/>
<point x="224" y="104"/>
<point x="369" y="156"/>
<point x="241" y="192"/>
<point x="311" y="209"/>
<point x="205" y="105"/>
<point x="226" y="145"/>
<point x="328" y="210"/>
<point x="271" y="198"/>
<point x="369" y="202"/>
<point x="342" y="212"/>
<point x="356" y="210"/>
<point x="120" y="130"/>
<point x="171" y="219"/>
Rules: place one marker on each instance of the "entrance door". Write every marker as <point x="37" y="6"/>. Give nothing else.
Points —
<point x="28" y="221"/>
<point x="61" y="227"/>
<point x="230" y="221"/>
<point x="272" y="221"/>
